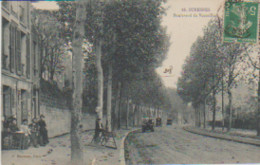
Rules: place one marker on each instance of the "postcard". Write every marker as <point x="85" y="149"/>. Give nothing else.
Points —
<point x="107" y="82"/>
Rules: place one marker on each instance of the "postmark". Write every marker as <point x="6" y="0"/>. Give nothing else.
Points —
<point x="240" y="22"/>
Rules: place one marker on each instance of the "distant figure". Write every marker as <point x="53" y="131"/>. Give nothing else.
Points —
<point x="43" y="134"/>
<point x="12" y="127"/>
<point x="34" y="132"/>
<point x="27" y="133"/>
<point x="98" y="130"/>
<point x="25" y="128"/>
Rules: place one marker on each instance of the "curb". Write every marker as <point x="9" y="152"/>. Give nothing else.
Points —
<point x="224" y="137"/>
<point x="122" y="147"/>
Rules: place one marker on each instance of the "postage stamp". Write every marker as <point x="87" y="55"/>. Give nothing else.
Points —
<point x="240" y="22"/>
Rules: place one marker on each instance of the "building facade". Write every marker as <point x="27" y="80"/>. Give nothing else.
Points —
<point x="20" y="62"/>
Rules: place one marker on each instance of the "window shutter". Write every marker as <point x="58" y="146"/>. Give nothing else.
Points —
<point x="12" y="99"/>
<point x="28" y="63"/>
<point x="18" y="51"/>
<point x="12" y="45"/>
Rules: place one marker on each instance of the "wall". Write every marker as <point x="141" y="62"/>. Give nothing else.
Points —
<point x="58" y="120"/>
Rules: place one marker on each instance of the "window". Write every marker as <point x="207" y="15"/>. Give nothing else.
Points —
<point x="7" y="101"/>
<point x="24" y="109"/>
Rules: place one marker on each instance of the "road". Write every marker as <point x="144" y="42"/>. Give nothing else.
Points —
<point x="173" y="145"/>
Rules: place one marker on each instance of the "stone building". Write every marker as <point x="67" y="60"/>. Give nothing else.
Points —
<point x="20" y="62"/>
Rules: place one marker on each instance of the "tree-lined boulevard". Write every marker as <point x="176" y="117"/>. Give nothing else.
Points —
<point x="105" y="53"/>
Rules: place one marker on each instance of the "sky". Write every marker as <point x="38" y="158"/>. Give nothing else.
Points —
<point x="183" y="27"/>
<point x="184" y="30"/>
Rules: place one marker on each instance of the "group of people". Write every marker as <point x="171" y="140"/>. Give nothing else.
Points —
<point x="34" y="133"/>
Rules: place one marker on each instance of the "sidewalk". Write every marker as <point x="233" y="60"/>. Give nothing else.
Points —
<point x="237" y="136"/>
<point x="57" y="152"/>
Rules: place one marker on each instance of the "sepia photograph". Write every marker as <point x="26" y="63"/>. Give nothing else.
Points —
<point x="129" y="82"/>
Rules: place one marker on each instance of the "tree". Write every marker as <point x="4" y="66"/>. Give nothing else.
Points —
<point x="46" y="25"/>
<point x="76" y="113"/>
<point x="145" y="41"/>
<point x="248" y="50"/>
<point x="202" y="72"/>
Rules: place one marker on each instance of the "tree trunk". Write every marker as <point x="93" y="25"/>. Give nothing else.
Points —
<point x="230" y="109"/>
<point x="196" y="117"/>
<point x="258" y="108"/>
<point x="76" y="113"/>
<point x="199" y="115"/>
<point x="204" y="113"/>
<point x="109" y="98"/>
<point x="222" y="101"/>
<point x="258" y="101"/>
<point x="119" y="109"/>
<point x="51" y="66"/>
<point x="127" y="112"/>
<point x="214" y="110"/>
<point x="117" y="106"/>
<point x="41" y="56"/>
<point x="99" y="108"/>
<point x="134" y="114"/>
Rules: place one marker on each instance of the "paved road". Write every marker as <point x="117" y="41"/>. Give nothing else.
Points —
<point x="172" y="145"/>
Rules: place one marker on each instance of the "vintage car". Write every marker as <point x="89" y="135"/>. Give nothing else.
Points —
<point x="169" y="121"/>
<point x="147" y="125"/>
<point x="158" y="122"/>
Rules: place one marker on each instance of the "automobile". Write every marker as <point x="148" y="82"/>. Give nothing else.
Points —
<point x="147" y="124"/>
<point x="158" y="122"/>
<point x="169" y="122"/>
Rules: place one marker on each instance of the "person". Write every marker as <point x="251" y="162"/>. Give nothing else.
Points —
<point x="5" y="133"/>
<point x="98" y="130"/>
<point x="12" y="127"/>
<point x="25" y="128"/>
<point x="43" y="133"/>
<point x="34" y="127"/>
<point x="5" y="125"/>
<point x="27" y="133"/>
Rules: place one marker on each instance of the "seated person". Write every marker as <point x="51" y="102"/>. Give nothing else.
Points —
<point x="5" y="125"/>
<point x="5" y="134"/>
<point x="12" y="127"/>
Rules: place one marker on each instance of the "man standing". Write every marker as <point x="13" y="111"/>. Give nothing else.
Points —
<point x="98" y="130"/>
<point x="43" y="131"/>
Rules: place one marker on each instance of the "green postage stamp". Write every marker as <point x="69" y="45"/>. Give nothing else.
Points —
<point x="241" y="22"/>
